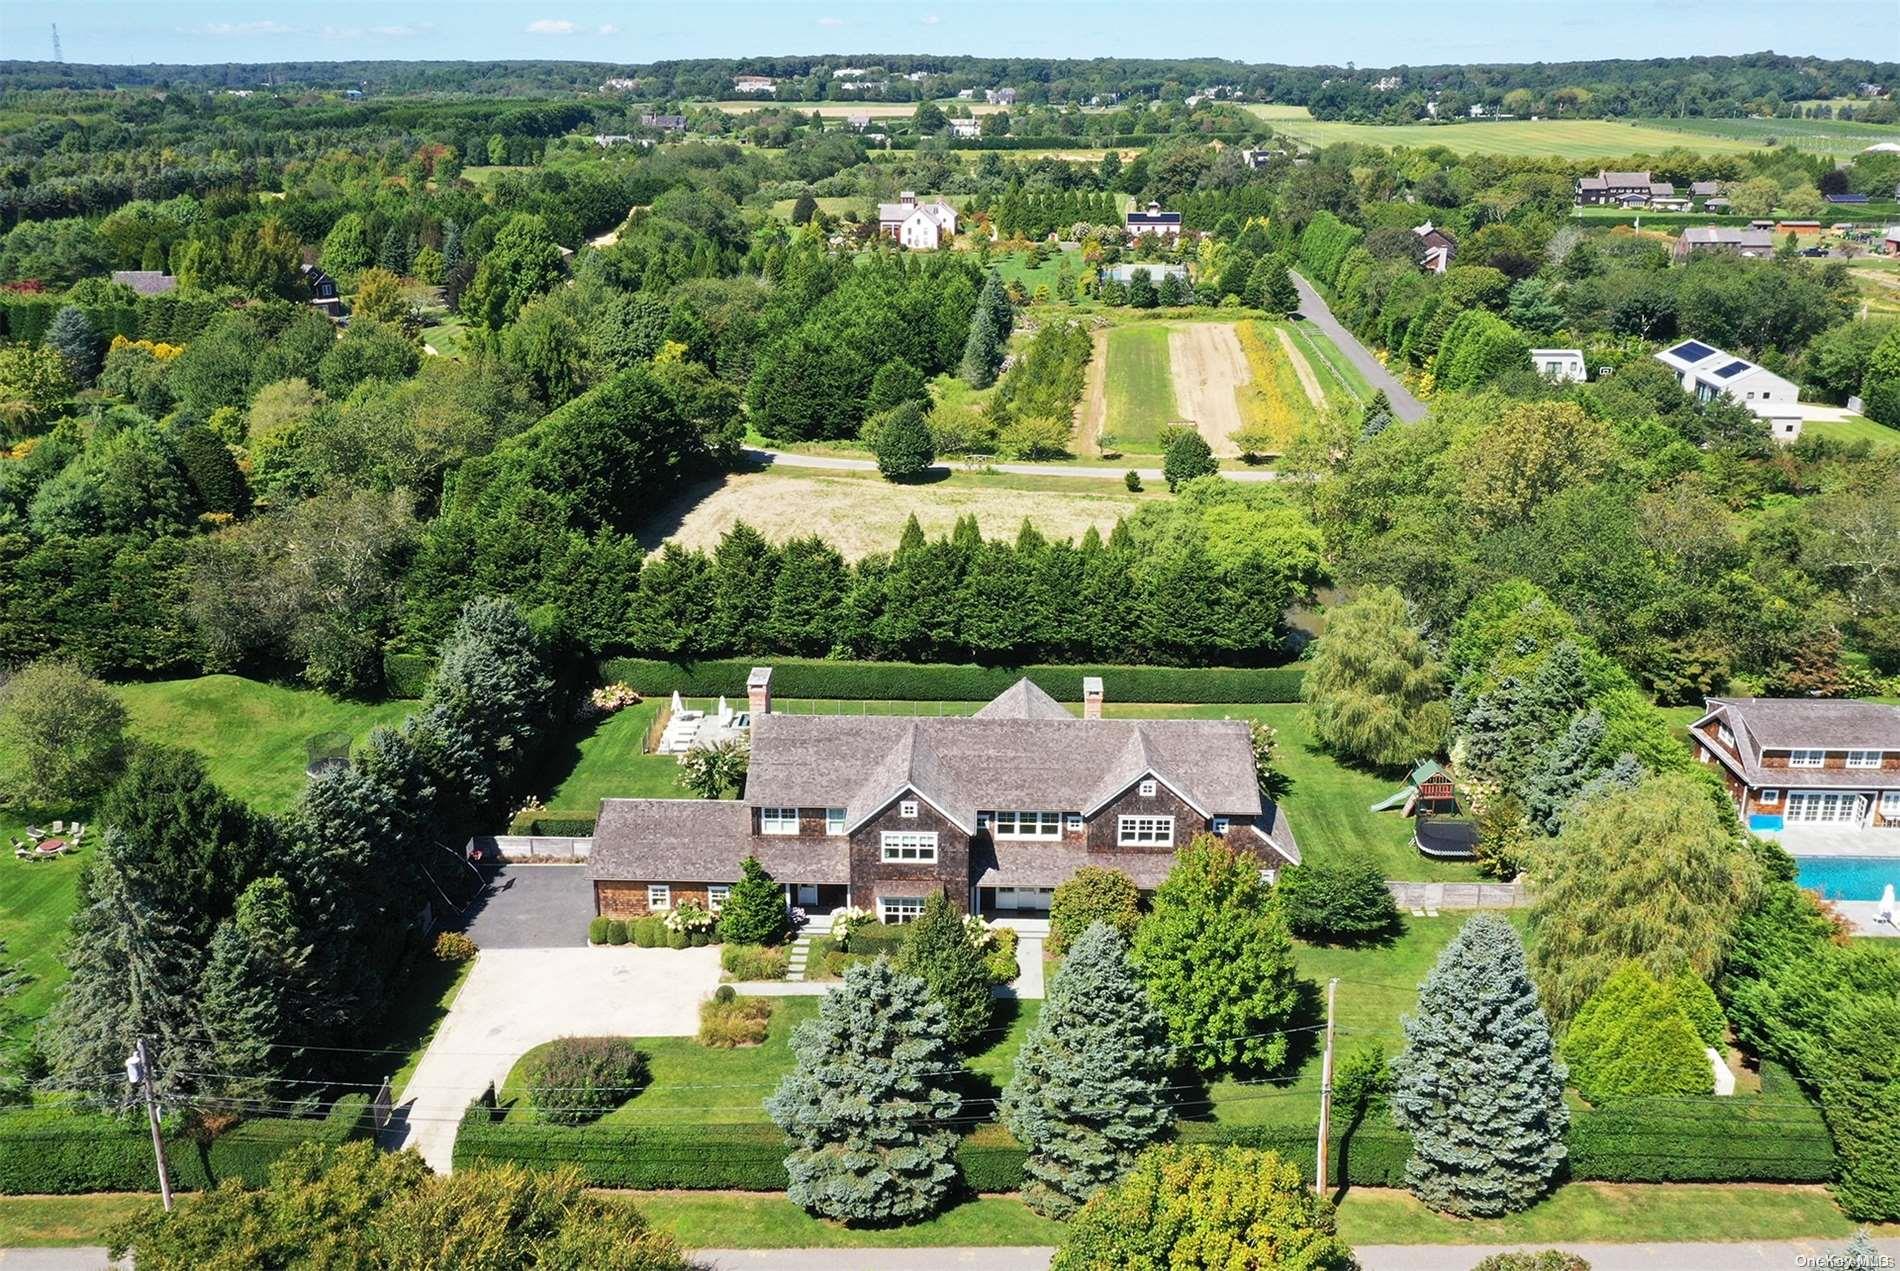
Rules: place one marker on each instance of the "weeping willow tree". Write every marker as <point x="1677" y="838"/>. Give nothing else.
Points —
<point x="1373" y="691"/>
<point x="1653" y="875"/>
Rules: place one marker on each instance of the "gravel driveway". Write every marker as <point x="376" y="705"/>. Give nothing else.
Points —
<point x="515" y="999"/>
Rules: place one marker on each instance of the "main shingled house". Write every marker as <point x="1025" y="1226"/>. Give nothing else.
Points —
<point x="1796" y="761"/>
<point x="993" y="809"/>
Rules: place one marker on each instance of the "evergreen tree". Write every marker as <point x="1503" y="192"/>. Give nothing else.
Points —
<point x="1141" y="290"/>
<point x="744" y="570"/>
<point x="1632" y="1038"/>
<point x="71" y="335"/>
<point x="132" y="972"/>
<point x="1561" y="768"/>
<point x="804" y="207"/>
<point x="1218" y="960"/>
<point x="1174" y="291"/>
<point x="1858" y="1073"/>
<point x="870" y="1106"/>
<point x="1376" y="417"/>
<point x="1478" y="1086"/>
<point x="895" y="383"/>
<point x="253" y="989"/>
<point x="488" y="705"/>
<point x="754" y="912"/>
<point x="1188" y="457"/>
<point x="900" y="438"/>
<point x="345" y="252"/>
<point x="807" y="597"/>
<point x="394" y="254"/>
<point x="1090" y="1085"/>
<point x="938" y="950"/>
<point x="983" y="351"/>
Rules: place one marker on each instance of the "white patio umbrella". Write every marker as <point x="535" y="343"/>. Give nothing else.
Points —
<point x="678" y="705"/>
<point x="1886" y="905"/>
<point x="725" y="711"/>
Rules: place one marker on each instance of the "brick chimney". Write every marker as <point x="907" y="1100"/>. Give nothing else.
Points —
<point x="1091" y="697"/>
<point x="758" y="691"/>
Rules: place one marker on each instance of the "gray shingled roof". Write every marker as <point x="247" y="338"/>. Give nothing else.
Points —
<point x="702" y="840"/>
<point x="1781" y="723"/>
<point x="1023" y="700"/>
<point x="147" y="282"/>
<point x="962" y="764"/>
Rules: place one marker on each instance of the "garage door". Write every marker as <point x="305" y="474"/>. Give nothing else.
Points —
<point x="1814" y="806"/>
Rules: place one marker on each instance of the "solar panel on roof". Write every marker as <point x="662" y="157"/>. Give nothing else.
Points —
<point x="1732" y="368"/>
<point x="1692" y="351"/>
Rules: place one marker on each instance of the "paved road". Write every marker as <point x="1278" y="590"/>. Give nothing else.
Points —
<point x="766" y="458"/>
<point x="1314" y="310"/>
<point x="1753" y="1256"/>
<point x="515" y="999"/>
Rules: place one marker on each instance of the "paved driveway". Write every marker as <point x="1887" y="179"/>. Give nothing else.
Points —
<point x="1313" y="309"/>
<point x="515" y="999"/>
<point x="533" y="907"/>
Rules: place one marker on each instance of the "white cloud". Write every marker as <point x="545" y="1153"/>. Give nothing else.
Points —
<point x="608" y="28"/>
<point x="553" y="26"/>
<point x="931" y="19"/>
<point x="399" y="32"/>
<point x="831" y="22"/>
<point x="264" y="27"/>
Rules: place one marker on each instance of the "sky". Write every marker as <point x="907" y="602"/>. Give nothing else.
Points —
<point x="1295" y="32"/>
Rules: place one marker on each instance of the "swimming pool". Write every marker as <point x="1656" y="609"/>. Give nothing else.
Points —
<point x="1848" y="877"/>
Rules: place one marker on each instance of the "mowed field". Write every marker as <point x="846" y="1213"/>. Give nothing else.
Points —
<point x="863" y="514"/>
<point x="1563" y="138"/>
<point x="1821" y="136"/>
<point x="1210" y="374"/>
<point x="1139" y="397"/>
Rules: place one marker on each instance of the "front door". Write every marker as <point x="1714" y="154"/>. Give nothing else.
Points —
<point x="807" y="894"/>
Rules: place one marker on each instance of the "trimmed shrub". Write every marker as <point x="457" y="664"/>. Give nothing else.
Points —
<point x="1631" y="1038"/>
<point x="406" y="675"/>
<point x="1543" y="1260"/>
<point x="950" y="682"/>
<point x="1774" y="1138"/>
<point x="1697" y="1001"/>
<point x="725" y="993"/>
<point x="872" y="938"/>
<point x="1091" y="895"/>
<point x="648" y="932"/>
<point x="597" y="930"/>
<point x="678" y="939"/>
<point x="999" y="960"/>
<point x="753" y="962"/>
<point x="1338" y="901"/>
<point x="616" y="931"/>
<point x="578" y="1079"/>
<point x="453" y="946"/>
<point x="754" y="912"/>
<point x="726" y="1023"/>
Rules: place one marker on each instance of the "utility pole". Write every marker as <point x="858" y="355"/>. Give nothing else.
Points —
<point x="1325" y="1091"/>
<point x="138" y="1071"/>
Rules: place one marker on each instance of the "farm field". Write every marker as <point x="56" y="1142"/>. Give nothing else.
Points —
<point x="860" y="513"/>
<point x="1212" y="378"/>
<point x="1280" y="388"/>
<point x="1820" y="136"/>
<point x="1139" y="394"/>
<point x="1561" y="138"/>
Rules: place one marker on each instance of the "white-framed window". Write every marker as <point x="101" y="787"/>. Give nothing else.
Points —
<point x="1807" y="758"/>
<point x="1725" y="736"/>
<point x="778" y="820"/>
<point x="1145" y="831"/>
<point x="1075" y="822"/>
<point x="716" y="894"/>
<point x="907" y="809"/>
<point x="1890" y="802"/>
<point x="1220" y="825"/>
<point x="904" y="846"/>
<point x="900" y="908"/>
<point x="1147" y="789"/>
<point x="1026" y="825"/>
<point x="1863" y="758"/>
<point x="834" y="820"/>
<point x="659" y="896"/>
<point x="1768" y="796"/>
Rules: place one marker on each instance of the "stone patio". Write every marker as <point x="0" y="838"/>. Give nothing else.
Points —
<point x="1836" y="840"/>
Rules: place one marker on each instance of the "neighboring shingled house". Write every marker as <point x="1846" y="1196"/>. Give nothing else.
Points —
<point x="147" y="282"/>
<point x="1724" y="238"/>
<point x="994" y="810"/>
<point x="1792" y="761"/>
<point x="1706" y="371"/>
<point x="1615" y="187"/>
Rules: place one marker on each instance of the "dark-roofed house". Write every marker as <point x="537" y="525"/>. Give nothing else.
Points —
<point x="1793" y="761"/>
<point x="147" y="282"/>
<point x="1154" y="221"/>
<point x="1615" y="187"/>
<point x="1724" y="238"/>
<point x="994" y="810"/>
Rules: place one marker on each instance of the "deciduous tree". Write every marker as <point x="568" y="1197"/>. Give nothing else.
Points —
<point x="1373" y="690"/>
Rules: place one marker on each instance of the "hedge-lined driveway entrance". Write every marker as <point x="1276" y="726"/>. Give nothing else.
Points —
<point x="515" y="999"/>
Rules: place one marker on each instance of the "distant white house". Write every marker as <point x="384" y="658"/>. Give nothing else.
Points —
<point x="1154" y="221"/>
<point x="753" y="84"/>
<point x="1156" y="270"/>
<point x="1560" y="364"/>
<point x="919" y="226"/>
<point x="1706" y="371"/>
<point x="966" y="128"/>
<point x="1000" y="96"/>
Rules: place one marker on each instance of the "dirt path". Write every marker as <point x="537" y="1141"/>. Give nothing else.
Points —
<point x="1208" y="365"/>
<point x="1092" y="413"/>
<point x="1314" y="393"/>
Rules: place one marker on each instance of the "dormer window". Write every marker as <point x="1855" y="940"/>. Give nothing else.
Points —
<point x="1220" y="825"/>
<point x="1147" y="789"/>
<point x="1807" y="758"/>
<point x="1726" y="737"/>
<point x="778" y="820"/>
<point x="1863" y="758"/>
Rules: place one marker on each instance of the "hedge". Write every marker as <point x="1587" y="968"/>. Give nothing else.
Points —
<point x="1643" y="1141"/>
<point x="406" y="675"/>
<point x="557" y="825"/>
<point x="946" y="682"/>
<point x="53" y="1150"/>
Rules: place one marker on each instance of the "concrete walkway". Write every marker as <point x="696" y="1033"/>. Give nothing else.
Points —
<point x="843" y="463"/>
<point x="515" y="999"/>
<point x="1778" y="1255"/>
<point x="75" y="1258"/>
<point x="1428" y="898"/>
<point x="1314" y="310"/>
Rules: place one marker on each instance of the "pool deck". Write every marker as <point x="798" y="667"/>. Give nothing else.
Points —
<point x="1842" y="841"/>
<point x="1864" y="915"/>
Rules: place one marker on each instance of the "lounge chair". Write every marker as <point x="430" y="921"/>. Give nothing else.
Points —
<point x="35" y="833"/>
<point x="22" y="853"/>
<point x="59" y="827"/>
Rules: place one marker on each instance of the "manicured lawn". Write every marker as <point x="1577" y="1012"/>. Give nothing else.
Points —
<point x="607" y="762"/>
<point x="1328" y="800"/>
<point x="1015" y="267"/>
<point x="252" y="735"/>
<point x="754" y="1221"/>
<point x="50" y="1221"/>
<point x="1560" y="138"/>
<point x="37" y="902"/>
<point x="1854" y="428"/>
<point x="1140" y="389"/>
<point x="1335" y="372"/>
<point x="1609" y="1212"/>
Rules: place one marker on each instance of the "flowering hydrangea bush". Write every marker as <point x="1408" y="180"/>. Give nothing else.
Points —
<point x="689" y="916"/>
<point x="614" y="697"/>
<point x="846" y="919"/>
<point x="982" y="935"/>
